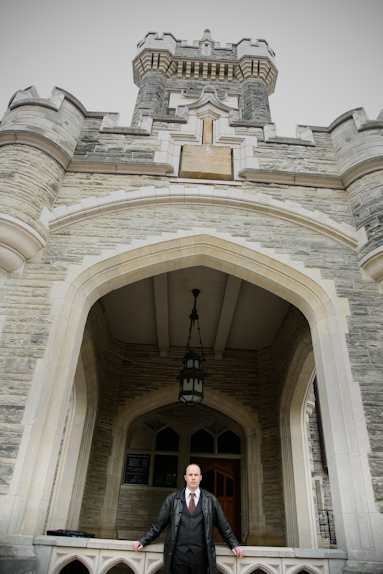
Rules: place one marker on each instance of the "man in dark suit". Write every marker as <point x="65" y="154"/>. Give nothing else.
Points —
<point x="191" y="515"/>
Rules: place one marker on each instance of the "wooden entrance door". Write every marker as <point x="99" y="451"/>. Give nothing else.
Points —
<point x="221" y="477"/>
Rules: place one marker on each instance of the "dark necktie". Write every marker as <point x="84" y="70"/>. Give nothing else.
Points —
<point x="192" y="503"/>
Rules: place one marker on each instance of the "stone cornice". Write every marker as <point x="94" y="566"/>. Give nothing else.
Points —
<point x="65" y="215"/>
<point x="24" y="137"/>
<point x="41" y="102"/>
<point x="137" y="168"/>
<point x="293" y="178"/>
<point x="361" y="169"/>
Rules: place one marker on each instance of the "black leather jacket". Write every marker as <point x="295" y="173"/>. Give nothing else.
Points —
<point x="170" y="513"/>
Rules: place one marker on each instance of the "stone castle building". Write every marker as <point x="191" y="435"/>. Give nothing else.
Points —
<point x="105" y="231"/>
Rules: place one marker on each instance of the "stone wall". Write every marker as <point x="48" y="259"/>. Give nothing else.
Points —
<point x="28" y="293"/>
<point x="138" y="508"/>
<point x="132" y="371"/>
<point x="108" y="371"/>
<point x="365" y="197"/>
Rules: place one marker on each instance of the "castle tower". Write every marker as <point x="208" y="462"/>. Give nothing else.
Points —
<point x="37" y="140"/>
<point x="358" y="144"/>
<point x="163" y="65"/>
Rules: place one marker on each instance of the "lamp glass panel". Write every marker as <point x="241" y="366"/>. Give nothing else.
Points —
<point x="198" y="386"/>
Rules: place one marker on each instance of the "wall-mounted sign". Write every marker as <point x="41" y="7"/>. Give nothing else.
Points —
<point x="137" y="468"/>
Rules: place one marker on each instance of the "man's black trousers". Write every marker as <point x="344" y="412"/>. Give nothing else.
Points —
<point x="189" y="563"/>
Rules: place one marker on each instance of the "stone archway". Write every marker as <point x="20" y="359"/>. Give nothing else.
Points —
<point x="304" y="288"/>
<point x="64" y="512"/>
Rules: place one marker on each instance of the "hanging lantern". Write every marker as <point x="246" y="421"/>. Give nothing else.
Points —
<point x="192" y="376"/>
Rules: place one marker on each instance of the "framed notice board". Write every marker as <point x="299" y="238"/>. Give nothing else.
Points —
<point x="137" y="468"/>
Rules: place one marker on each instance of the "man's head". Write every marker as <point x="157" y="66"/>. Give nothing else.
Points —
<point x="193" y="477"/>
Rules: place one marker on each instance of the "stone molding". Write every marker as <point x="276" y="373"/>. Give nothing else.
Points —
<point x="361" y="169"/>
<point x="64" y="215"/>
<point x="223" y="135"/>
<point x="18" y="243"/>
<point x="292" y="178"/>
<point x="373" y="264"/>
<point x="9" y="137"/>
<point x="84" y="165"/>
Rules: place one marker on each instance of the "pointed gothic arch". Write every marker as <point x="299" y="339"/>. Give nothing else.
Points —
<point x="304" y="288"/>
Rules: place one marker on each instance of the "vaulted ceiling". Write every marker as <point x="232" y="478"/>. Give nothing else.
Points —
<point x="232" y="313"/>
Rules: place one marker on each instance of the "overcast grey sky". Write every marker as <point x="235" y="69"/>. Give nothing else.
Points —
<point x="328" y="52"/>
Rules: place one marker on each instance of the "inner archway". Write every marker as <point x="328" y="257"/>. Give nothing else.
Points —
<point x="163" y="438"/>
<point x="245" y="354"/>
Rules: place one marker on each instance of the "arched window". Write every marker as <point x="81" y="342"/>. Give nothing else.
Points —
<point x="168" y="440"/>
<point x="229" y="443"/>
<point x="202" y="441"/>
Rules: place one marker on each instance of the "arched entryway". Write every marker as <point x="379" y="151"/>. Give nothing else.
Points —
<point x="241" y="377"/>
<point x="304" y="289"/>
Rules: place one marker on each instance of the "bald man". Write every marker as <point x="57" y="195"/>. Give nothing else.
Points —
<point x="191" y="514"/>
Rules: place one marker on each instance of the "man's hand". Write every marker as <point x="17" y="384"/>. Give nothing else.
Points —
<point x="238" y="552"/>
<point x="137" y="546"/>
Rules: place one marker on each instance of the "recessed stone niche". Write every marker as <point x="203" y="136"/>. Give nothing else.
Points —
<point x="206" y="161"/>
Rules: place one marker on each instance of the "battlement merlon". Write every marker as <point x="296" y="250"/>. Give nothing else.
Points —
<point x="205" y="59"/>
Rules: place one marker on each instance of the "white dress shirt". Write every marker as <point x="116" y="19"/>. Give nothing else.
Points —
<point x="188" y="497"/>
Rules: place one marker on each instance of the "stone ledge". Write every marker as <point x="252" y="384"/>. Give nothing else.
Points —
<point x="137" y="168"/>
<point x="169" y="119"/>
<point x="221" y="549"/>
<point x="9" y="137"/>
<point x="361" y="169"/>
<point x="41" y="102"/>
<point x="247" y="124"/>
<point x="125" y="131"/>
<point x="289" y="141"/>
<point x="371" y="125"/>
<point x="292" y="178"/>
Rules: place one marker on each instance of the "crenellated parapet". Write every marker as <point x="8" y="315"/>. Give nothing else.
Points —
<point x="205" y="59"/>
<point x="163" y="63"/>
<point x="51" y="124"/>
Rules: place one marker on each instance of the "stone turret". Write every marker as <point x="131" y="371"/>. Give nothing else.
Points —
<point x="37" y="140"/>
<point x="164" y="65"/>
<point x="358" y="144"/>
